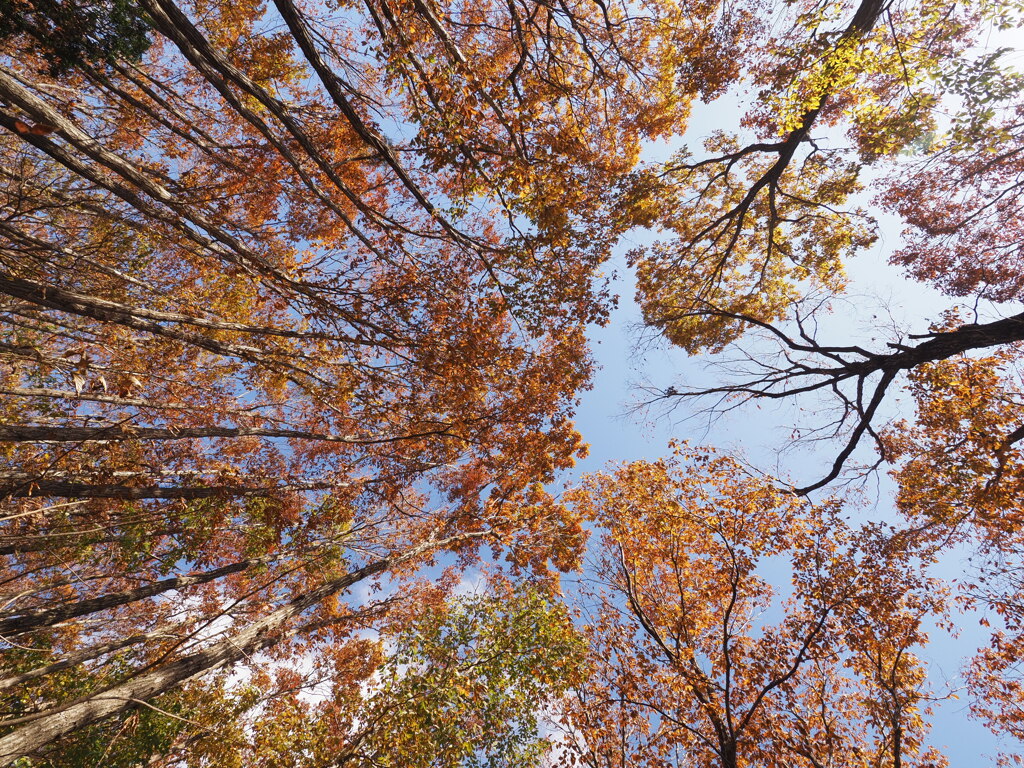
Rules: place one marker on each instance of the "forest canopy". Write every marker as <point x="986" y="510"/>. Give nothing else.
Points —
<point x="296" y="300"/>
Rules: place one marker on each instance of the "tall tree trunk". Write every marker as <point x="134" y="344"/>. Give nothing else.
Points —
<point x="26" y="621"/>
<point x="116" y="432"/>
<point x="42" y="488"/>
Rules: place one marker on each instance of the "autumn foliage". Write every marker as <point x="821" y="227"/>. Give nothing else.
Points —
<point x="732" y="624"/>
<point x="295" y="300"/>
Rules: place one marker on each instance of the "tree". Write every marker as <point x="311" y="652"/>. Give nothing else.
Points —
<point x="67" y="35"/>
<point x="759" y="231"/>
<point x="698" y="661"/>
<point x="959" y="470"/>
<point x="902" y="99"/>
<point x="751" y="223"/>
<point x="294" y="304"/>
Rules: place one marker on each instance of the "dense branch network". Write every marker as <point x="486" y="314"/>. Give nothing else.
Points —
<point x="857" y="377"/>
<point x="291" y="301"/>
<point x="294" y="303"/>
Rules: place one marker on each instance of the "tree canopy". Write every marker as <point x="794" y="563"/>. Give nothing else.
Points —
<point x="295" y="299"/>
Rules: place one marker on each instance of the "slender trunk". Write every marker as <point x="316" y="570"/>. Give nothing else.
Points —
<point x="16" y="545"/>
<point x="26" y="621"/>
<point x="60" y="298"/>
<point x="52" y="297"/>
<point x="43" y="488"/>
<point x="122" y="431"/>
<point x="74" y="659"/>
<point x="70" y="394"/>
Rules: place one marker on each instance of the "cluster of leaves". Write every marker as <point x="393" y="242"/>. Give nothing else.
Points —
<point x="69" y="34"/>
<point x="467" y="686"/>
<point x="704" y="656"/>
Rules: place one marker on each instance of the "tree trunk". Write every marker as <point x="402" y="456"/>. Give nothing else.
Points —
<point x="26" y="621"/>
<point x="33" y="488"/>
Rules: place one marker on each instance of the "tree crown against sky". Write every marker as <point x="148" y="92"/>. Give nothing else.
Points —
<point x="296" y="298"/>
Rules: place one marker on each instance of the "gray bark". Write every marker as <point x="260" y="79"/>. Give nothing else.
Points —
<point x="25" y="621"/>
